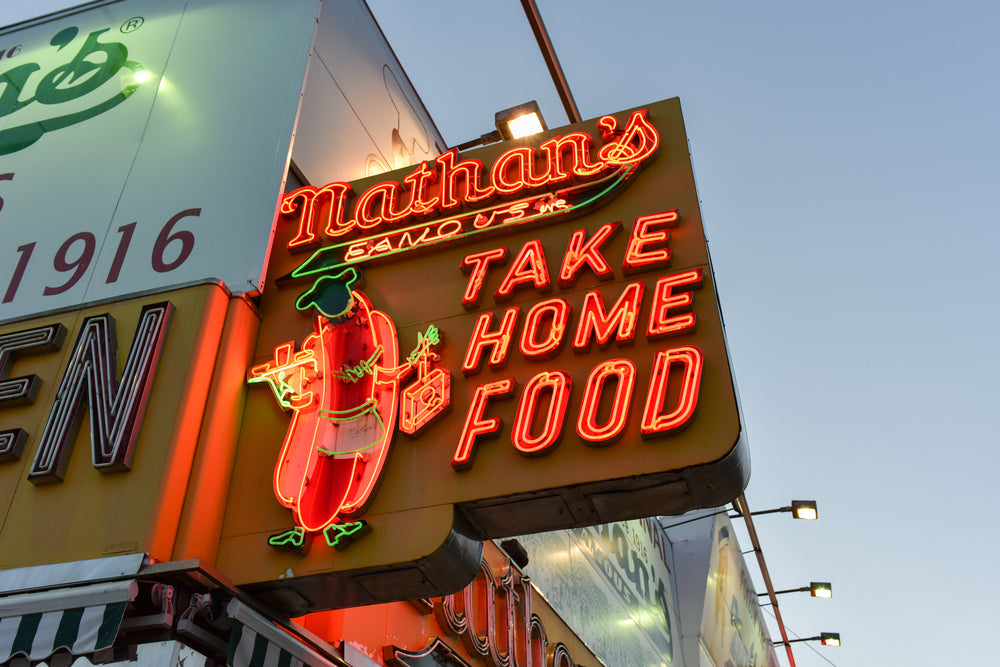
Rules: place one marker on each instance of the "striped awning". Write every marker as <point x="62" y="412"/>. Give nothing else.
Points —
<point x="255" y="641"/>
<point x="249" y="649"/>
<point x="80" y="619"/>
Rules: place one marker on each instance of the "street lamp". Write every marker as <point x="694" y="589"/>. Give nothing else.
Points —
<point x="824" y="638"/>
<point x="520" y="121"/>
<point x="804" y="509"/>
<point x="523" y="120"/>
<point x="817" y="589"/>
<point x="800" y="509"/>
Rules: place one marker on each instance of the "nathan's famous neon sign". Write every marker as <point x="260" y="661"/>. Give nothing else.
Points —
<point x="348" y="386"/>
<point x="456" y="199"/>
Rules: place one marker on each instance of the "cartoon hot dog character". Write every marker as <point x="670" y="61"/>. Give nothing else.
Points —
<point x="343" y="389"/>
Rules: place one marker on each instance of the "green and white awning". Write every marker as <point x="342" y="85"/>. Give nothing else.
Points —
<point x="80" y="619"/>
<point x="255" y="641"/>
<point x="249" y="649"/>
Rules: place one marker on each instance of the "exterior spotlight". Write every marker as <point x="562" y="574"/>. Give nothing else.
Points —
<point x="804" y="509"/>
<point x="821" y="589"/>
<point x="829" y="638"/>
<point x="824" y="638"/>
<point x="513" y="123"/>
<point x="818" y="589"/>
<point x="800" y="509"/>
<point x="520" y="121"/>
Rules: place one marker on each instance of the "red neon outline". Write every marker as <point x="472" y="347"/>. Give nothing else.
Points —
<point x="587" y="427"/>
<point x="565" y="157"/>
<point x="387" y="193"/>
<point x="482" y="336"/>
<point x="418" y="182"/>
<point x="513" y="171"/>
<point x="475" y="426"/>
<point x="638" y="142"/>
<point x="476" y="265"/>
<point x="582" y="252"/>
<point x="531" y="348"/>
<point x="316" y="506"/>
<point x="450" y="172"/>
<point x="636" y="257"/>
<point x="653" y="422"/>
<point x="311" y="208"/>
<point x="559" y="382"/>
<point x="521" y="161"/>
<point x="595" y="322"/>
<point x="664" y="300"/>
<point x="581" y="145"/>
<point x="528" y="267"/>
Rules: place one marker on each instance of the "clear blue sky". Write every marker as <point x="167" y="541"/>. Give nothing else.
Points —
<point x="847" y="163"/>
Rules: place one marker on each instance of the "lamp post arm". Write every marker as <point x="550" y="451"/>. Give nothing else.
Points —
<point x="804" y="589"/>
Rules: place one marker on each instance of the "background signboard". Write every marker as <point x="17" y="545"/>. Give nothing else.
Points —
<point x="613" y="585"/>
<point x="733" y="630"/>
<point x="99" y="501"/>
<point x="140" y="137"/>
<point x="429" y="510"/>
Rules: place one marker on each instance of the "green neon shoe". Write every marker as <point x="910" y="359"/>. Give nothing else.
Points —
<point x="341" y="535"/>
<point x="290" y="540"/>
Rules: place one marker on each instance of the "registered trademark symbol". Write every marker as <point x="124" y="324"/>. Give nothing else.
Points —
<point x="132" y="24"/>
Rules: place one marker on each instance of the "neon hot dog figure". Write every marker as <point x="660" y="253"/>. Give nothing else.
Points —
<point x="343" y="389"/>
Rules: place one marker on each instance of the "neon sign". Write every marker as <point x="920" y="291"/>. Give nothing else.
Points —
<point x="432" y="194"/>
<point x="343" y="389"/>
<point x="546" y="328"/>
<point x="580" y="335"/>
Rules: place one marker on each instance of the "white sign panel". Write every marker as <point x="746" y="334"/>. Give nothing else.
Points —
<point x="612" y="585"/>
<point x="143" y="144"/>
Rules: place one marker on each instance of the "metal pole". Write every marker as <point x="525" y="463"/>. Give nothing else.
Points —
<point x="745" y="511"/>
<point x="551" y="60"/>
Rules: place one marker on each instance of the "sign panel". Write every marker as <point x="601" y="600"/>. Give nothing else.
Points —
<point x="520" y="339"/>
<point x="732" y="627"/>
<point x="139" y="137"/>
<point x="100" y="413"/>
<point x="613" y="586"/>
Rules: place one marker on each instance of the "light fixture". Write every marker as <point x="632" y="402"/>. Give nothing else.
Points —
<point x="800" y="509"/>
<point x="517" y="122"/>
<point x="817" y="589"/>
<point x="520" y="121"/>
<point x="824" y="638"/>
<point x="804" y="509"/>
<point x="821" y="589"/>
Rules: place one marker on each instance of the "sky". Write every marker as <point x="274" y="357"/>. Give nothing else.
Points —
<point x="845" y="156"/>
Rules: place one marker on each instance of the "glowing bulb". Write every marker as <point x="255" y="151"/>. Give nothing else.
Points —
<point x="820" y="589"/>
<point x="804" y="509"/>
<point x="142" y="76"/>
<point x="525" y="125"/>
